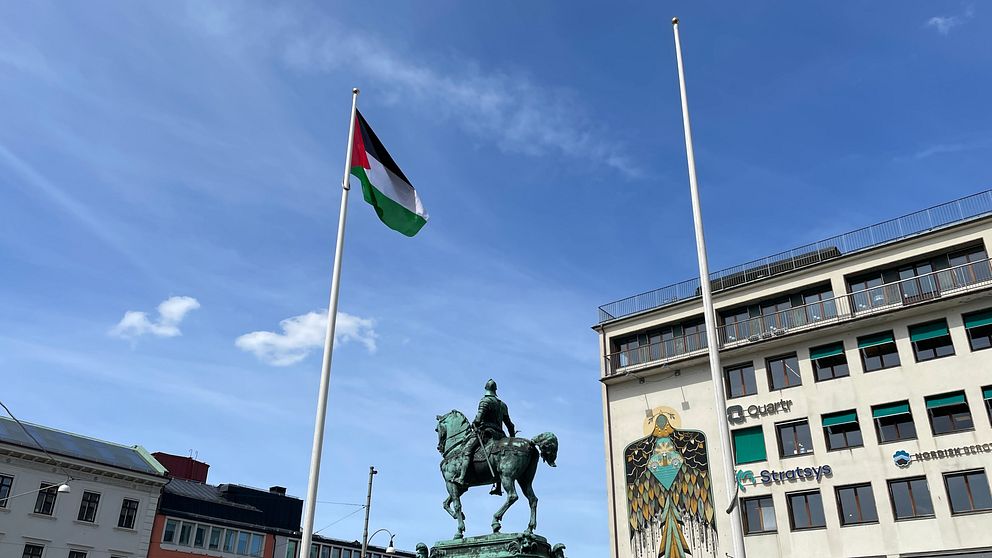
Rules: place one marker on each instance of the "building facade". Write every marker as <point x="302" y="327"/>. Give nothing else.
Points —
<point x="104" y="508"/>
<point x="227" y="521"/>
<point x="326" y="547"/>
<point x="859" y="399"/>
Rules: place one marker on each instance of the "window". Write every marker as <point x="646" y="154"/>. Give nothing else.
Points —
<point x="215" y="535"/>
<point x="169" y="533"/>
<point x="931" y="340"/>
<point x="736" y="326"/>
<point x="775" y="315"/>
<point x="878" y="351"/>
<point x="740" y="380"/>
<point x="970" y="266"/>
<point x="986" y="395"/>
<point x="968" y="492"/>
<point x="979" y="328"/>
<point x="243" y="542"/>
<point x="829" y="361"/>
<point x="33" y="551"/>
<point x="820" y="305"/>
<point x="917" y="282"/>
<point x="749" y="445"/>
<point x="336" y="553"/>
<point x="292" y="549"/>
<point x="893" y="422"/>
<point x="759" y="515"/>
<point x="949" y="413"/>
<point x="184" y="533"/>
<point x="129" y="510"/>
<point x="87" y="507"/>
<point x="200" y="536"/>
<point x="45" y="504"/>
<point x="910" y="498"/>
<point x="230" y="540"/>
<point x="783" y="372"/>
<point x="257" y="542"/>
<point x="805" y="510"/>
<point x="794" y="438"/>
<point x="868" y="293"/>
<point x="77" y="554"/>
<point x="856" y="504"/>
<point x="6" y="483"/>
<point x="842" y="430"/>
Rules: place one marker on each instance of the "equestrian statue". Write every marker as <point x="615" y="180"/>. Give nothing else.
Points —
<point x="480" y="453"/>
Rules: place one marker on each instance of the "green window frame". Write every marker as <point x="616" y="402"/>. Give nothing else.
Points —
<point x="824" y="351"/>
<point x="749" y="445"/>
<point x="845" y="417"/>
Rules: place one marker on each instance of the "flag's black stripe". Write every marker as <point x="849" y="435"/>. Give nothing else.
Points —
<point x="375" y="149"/>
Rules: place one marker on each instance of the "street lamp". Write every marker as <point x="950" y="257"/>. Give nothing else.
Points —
<point x="63" y="488"/>
<point x="390" y="549"/>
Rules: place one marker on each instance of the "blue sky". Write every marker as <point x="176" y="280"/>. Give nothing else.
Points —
<point x="154" y="151"/>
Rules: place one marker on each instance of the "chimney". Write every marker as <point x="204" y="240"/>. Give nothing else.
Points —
<point x="280" y="490"/>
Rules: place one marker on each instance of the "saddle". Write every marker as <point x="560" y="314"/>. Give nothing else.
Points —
<point x="501" y="446"/>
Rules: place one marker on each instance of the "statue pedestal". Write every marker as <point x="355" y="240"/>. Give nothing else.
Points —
<point x="498" y="545"/>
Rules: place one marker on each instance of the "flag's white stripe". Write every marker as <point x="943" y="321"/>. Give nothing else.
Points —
<point x="394" y="187"/>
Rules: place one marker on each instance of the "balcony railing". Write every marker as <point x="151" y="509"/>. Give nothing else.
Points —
<point x="919" y="222"/>
<point x="907" y="292"/>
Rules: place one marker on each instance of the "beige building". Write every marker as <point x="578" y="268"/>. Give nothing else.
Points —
<point x="859" y="399"/>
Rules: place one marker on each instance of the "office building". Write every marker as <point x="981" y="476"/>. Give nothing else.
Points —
<point x="859" y="398"/>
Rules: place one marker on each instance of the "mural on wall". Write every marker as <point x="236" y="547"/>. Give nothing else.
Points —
<point x="669" y="493"/>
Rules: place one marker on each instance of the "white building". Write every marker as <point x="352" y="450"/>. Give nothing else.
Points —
<point x="859" y="399"/>
<point x="105" y="510"/>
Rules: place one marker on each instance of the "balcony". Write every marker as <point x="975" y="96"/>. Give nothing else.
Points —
<point x="937" y="285"/>
<point x="934" y="218"/>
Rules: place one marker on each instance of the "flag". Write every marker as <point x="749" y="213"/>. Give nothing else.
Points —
<point x="384" y="186"/>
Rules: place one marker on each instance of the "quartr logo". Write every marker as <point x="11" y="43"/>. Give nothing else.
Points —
<point x="902" y="458"/>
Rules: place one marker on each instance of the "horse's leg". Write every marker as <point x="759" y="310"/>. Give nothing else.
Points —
<point x="527" y="487"/>
<point x="457" y="491"/>
<point x="511" y="497"/>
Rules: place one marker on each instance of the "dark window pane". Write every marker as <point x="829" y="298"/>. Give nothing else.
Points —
<point x="806" y="510"/>
<point x="794" y="438"/>
<point x="921" y="497"/>
<point x="896" y="427"/>
<point x="783" y="372"/>
<point x="5" y="485"/>
<point x="842" y="436"/>
<point x="740" y="381"/>
<point x="980" y="337"/>
<point x="968" y="492"/>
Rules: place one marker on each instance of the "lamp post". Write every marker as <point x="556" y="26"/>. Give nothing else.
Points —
<point x="368" y="508"/>
<point x="390" y="549"/>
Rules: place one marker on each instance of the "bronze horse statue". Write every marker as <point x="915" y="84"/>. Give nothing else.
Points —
<point x="512" y="460"/>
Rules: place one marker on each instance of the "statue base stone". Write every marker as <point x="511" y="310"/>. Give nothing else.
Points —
<point x="498" y="545"/>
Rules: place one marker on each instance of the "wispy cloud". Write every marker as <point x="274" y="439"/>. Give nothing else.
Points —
<point x="515" y="112"/>
<point x="944" y="24"/>
<point x="304" y="333"/>
<point x="170" y="313"/>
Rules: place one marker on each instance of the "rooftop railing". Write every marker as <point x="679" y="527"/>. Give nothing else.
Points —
<point x="873" y="300"/>
<point x="919" y="222"/>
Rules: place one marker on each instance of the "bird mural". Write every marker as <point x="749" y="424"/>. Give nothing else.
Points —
<point x="669" y="491"/>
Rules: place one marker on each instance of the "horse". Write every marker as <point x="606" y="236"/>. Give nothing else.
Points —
<point x="510" y="459"/>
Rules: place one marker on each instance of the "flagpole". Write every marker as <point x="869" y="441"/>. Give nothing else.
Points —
<point x="716" y="373"/>
<point x="325" y="370"/>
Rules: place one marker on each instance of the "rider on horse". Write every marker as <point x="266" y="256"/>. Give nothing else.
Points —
<point x="488" y="424"/>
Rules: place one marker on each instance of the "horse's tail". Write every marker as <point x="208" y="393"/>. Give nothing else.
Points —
<point x="547" y="444"/>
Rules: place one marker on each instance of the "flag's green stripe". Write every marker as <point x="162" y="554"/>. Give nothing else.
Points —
<point x="394" y="215"/>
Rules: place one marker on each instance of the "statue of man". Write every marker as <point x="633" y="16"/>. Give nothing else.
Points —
<point x="488" y="423"/>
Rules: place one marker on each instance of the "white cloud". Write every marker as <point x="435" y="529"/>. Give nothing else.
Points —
<point x="170" y="313"/>
<point x="518" y="114"/>
<point x="302" y="334"/>
<point x="944" y="24"/>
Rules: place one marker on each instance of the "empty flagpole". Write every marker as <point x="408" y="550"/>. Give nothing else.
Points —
<point x="716" y="373"/>
<point x="325" y="370"/>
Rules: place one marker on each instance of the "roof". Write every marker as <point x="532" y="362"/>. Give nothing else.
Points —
<point x="934" y="218"/>
<point x="67" y="444"/>
<point x="232" y="504"/>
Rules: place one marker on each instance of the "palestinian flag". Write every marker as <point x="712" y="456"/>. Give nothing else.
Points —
<point x="384" y="185"/>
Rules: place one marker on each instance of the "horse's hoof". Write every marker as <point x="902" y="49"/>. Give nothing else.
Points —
<point x="458" y="536"/>
<point x="496" y="527"/>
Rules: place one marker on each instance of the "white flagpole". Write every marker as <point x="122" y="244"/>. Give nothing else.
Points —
<point x="716" y="372"/>
<point x="325" y="371"/>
